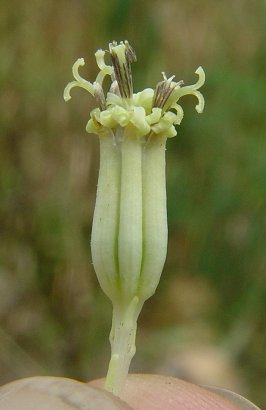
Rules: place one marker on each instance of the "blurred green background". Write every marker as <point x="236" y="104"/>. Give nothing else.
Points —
<point x="206" y="322"/>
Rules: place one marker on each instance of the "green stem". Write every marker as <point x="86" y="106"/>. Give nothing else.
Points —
<point x="122" y="339"/>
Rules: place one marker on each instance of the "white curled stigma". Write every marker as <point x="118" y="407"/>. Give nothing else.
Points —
<point x="189" y="89"/>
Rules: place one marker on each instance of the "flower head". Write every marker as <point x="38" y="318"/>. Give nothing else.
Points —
<point x="129" y="231"/>
<point x="149" y="111"/>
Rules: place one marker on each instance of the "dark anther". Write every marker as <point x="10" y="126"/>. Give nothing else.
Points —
<point x="122" y="69"/>
<point x="130" y="53"/>
<point x="99" y="96"/>
<point x="162" y="92"/>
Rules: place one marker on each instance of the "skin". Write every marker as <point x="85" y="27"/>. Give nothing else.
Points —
<point x="142" y="392"/>
<point x="154" y="392"/>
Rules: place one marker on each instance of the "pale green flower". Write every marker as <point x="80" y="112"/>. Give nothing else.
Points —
<point x="129" y="233"/>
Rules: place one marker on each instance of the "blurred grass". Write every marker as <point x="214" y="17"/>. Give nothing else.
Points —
<point x="54" y="319"/>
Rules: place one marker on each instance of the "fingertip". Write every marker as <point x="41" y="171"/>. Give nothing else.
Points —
<point x="46" y="393"/>
<point x="170" y="393"/>
<point x="155" y="392"/>
<point x="242" y="402"/>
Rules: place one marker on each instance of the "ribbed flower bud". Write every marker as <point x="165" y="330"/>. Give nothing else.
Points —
<point x="129" y="233"/>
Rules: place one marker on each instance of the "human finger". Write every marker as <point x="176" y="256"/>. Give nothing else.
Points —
<point x="154" y="392"/>
<point x="46" y="393"/>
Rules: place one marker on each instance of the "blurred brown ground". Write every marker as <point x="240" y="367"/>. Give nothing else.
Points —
<point x="206" y="322"/>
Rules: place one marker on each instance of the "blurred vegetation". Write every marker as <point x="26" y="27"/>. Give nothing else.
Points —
<point x="53" y="317"/>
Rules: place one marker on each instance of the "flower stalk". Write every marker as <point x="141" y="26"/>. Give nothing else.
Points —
<point x="129" y="232"/>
